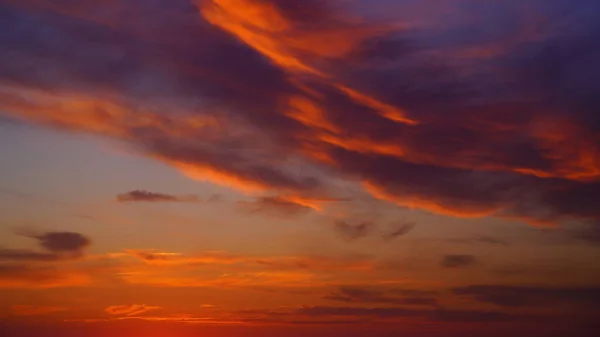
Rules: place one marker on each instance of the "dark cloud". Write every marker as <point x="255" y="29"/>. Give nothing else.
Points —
<point x="501" y="120"/>
<point x="63" y="242"/>
<point x="440" y="315"/>
<point x="145" y="196"/>
<point x="57" y="246"/>
<point x="352" y="232"/>
<point x="399" y="230"/>
<point x="523" y="296"/>
<point x="457" y="261"/>
<point x="366" y="295"/>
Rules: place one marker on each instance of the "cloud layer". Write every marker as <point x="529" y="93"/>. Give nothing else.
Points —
<point x="302" y="102"/>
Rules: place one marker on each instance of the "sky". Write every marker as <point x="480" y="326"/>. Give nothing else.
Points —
<point x="262" y="168"/>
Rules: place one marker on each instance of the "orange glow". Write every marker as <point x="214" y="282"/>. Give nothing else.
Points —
<point x="430" y="205"/>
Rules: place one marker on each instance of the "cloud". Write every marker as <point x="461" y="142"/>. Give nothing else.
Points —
<point x="440" y="315"/>
<point x="145" y="196"/>
<point x="58" y="246"/>
<point x="273" y="99"/>
<point x="457" y="261"/>
<point x="63" y="242"/>
<point x="353" y="232"/>
<point x="280" y="206"/>
<point x="221" y="258"/>
<point x="400" y="230"/>
<point x="366" y="295"/>
<point x="524" y="296"/>
<point x="217" y="269"/>
<point x="33" y="310"/>
<point x="129" y="310"/>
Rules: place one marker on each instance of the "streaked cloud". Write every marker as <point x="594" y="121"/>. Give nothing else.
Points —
<point x="145" y="196"/>
<point x="366" y="295"/>
<point x="129" y="310"/>
<point x="530" y="296"/>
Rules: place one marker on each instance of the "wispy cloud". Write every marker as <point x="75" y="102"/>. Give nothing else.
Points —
<point x="129" y="310"/>
<point x="145" y="196"/>
<point x="367" y="295"/>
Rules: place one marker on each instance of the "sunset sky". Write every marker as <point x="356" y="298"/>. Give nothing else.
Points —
<point x="269" y="168"/>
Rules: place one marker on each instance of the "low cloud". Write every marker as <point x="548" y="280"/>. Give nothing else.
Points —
<point x="457" y="261"/>
<point x="145" y="196"/>
<point x="57" y="246"/>
<point x="523" y="296"/>
<point x="277" y="206"/>
<point x="365" y="295"/>
<point x="129" y="310"/>
<point x="438" y="315"/>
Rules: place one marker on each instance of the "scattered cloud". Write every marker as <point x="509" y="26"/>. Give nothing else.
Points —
<point x="145" y="196"/>
<point x="365" y="295"/>
<point x="457" y="261"/>
<point x="129" y="310"/>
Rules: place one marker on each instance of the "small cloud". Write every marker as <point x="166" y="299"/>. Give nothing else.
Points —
<point x="145" y="196"/>
<point x="57" y="246"/>
<point x="365" y="295"/>
<point x="353" y="232"/>
<point x="457" y="261"/>
<point x="31" y="310"/>
<point x="129" y="310"/>
<point x="63" y="242"/>
<point x="399" y="230"/>
<point x="277" y="206"/>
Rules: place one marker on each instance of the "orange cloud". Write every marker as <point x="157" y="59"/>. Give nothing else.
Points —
<point x="220" y="258"/>
<point x="272" y="106"/>
<point x="129" y="310"/>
